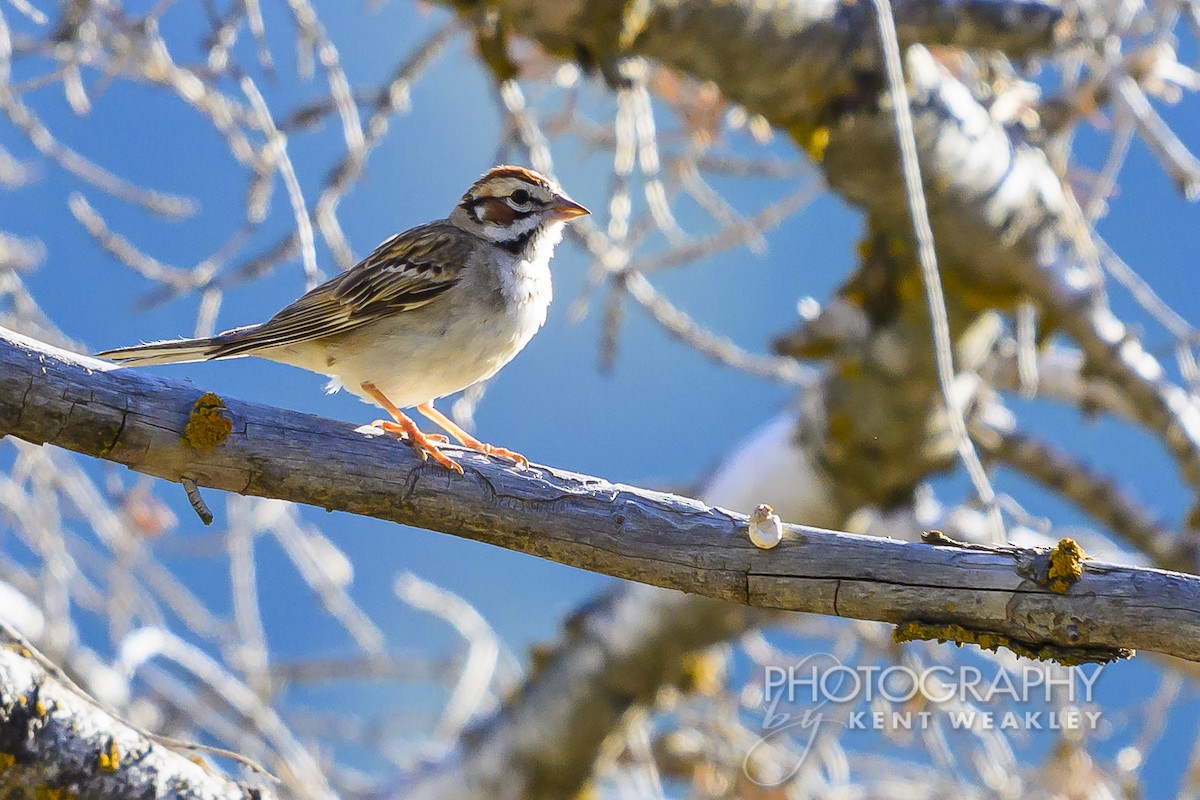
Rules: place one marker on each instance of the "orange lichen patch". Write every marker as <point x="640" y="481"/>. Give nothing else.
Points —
<point x="6" y="761"/>
<point x="914" y="631"/>
<point x="1066" y="565"/>
<point x="207" y="426"/>
<point x="936" y="538"/>
<point x="110" y="760"/>
<point x="814" y="139"/>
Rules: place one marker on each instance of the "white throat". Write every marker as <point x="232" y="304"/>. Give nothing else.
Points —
<point x="528" y="285"/>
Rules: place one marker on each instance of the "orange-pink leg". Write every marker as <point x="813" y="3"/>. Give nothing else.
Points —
<point x="405" y="428"/>
<point x="447" y="424"/>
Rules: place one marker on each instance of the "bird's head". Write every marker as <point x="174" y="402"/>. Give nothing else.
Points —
<point x="510" y="205"/>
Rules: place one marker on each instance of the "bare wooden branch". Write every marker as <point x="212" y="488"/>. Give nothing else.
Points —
<point x="134" y="418"/>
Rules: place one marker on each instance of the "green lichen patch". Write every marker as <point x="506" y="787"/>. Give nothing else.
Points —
<point x="208" y="426"/>
<point x="990" y="640"/>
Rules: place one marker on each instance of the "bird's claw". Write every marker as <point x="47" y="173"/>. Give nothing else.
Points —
<point x="424" y="444"/>
<point x="395" y="429"/>
<point x="503" y="452"/>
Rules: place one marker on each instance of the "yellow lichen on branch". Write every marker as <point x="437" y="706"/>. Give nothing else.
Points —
<point x="110" y="760"/>
<point x="1066" y="566"/>
<point x="990" y="640"/>
<point x="207" y="426"/>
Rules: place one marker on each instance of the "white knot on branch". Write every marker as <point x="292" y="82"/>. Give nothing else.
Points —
<point x="135" y="418"/>
<point x="765" y="528"/>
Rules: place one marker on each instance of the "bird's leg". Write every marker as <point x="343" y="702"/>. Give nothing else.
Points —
<point x="446" y="424"/>
<point x="407" y="429"/>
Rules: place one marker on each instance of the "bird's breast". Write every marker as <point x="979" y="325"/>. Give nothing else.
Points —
<point x="527" y="292"/>
<point x="444" y="347"/>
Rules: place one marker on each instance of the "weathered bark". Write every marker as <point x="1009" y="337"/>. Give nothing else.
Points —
<point x="56" y="742"/>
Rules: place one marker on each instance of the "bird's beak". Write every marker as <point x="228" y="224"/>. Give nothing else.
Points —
<point x="564" y="208"/>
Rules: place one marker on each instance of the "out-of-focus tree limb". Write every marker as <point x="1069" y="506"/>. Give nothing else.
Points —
<point x="1062" y="376"/>
<point x="56" y="742"/>
<point x="1005" y="226"/>
<point x="735" y="43"/>
<point x="126" y="416"/>
<point x="611" y="655"/>
<point x="1062" y="472"/>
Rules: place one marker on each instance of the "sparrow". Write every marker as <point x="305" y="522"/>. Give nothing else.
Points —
<point x="428" y="313"/>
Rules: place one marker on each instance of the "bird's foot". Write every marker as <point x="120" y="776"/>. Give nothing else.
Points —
<point x="399" y="431"/>
<point x="469" y="441"/>
<point x="501" y="452"/>
<point x="425" y="444"/>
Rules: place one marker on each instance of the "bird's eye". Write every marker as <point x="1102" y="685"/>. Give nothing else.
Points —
<point x="519" y="197"/>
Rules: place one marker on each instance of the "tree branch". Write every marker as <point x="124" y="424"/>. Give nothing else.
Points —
<point x="613" y="653"/>
<point x="157" y="427"/>
<point x="57" y="742"/>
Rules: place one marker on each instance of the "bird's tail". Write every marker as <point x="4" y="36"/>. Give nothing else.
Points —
<point x="177" y="351"/>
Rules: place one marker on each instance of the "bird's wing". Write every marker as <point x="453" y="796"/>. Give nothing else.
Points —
<point x="404" y="272"/>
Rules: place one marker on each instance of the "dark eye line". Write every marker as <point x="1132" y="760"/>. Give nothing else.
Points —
<point x="475" y="204"/>
<point x="478" y="208"/>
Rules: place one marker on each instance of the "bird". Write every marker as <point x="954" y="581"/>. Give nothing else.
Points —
<point x="430" y="312"/>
